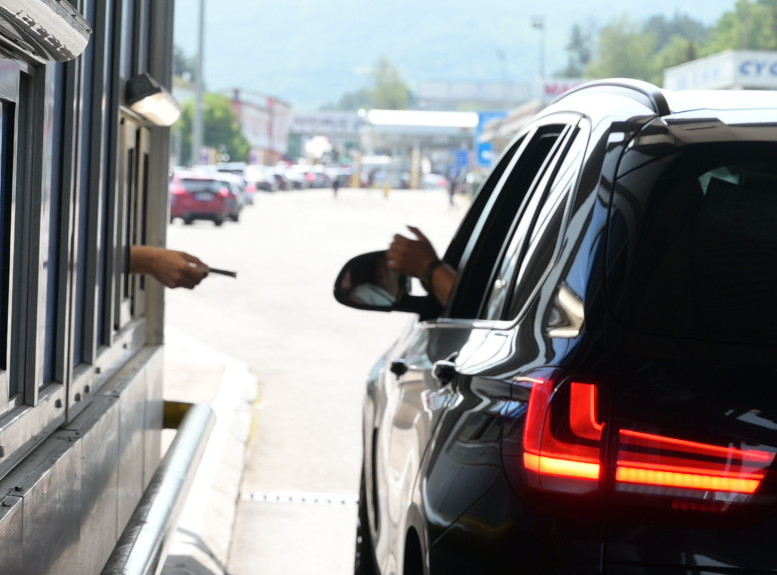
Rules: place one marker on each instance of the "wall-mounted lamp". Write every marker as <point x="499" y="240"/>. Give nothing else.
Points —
<point x="145" y="96"/>
<point x="47" y="30"/>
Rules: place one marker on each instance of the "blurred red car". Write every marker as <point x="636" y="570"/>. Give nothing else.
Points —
<point x="196" y="196"/>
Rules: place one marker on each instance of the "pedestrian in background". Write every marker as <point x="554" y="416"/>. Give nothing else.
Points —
<point x="335" y="184"/>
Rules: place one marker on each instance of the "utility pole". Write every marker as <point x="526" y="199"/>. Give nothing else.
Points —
<point x="505" y="88"/>
<point x="198" y="128"/>
<point x="538" y="23"/>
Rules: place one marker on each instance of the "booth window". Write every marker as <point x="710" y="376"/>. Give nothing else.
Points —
<point x="6" y="166"/>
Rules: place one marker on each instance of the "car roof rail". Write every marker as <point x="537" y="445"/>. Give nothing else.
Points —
<point x="644" y="92"/>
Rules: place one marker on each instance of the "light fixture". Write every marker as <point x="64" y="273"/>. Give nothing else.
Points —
<point x="145" y="96"/>
<point x="46" y="30"/>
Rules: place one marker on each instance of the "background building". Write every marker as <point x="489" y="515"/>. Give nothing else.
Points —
<point x="265" y="124"/>
<point x="729" y="70"/>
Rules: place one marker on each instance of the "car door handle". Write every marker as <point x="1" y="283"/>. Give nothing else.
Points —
<point x="444" y="371"/>
<point x="398" y="367"/>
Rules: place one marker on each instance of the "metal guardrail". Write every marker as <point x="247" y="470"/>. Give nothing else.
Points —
<point x="142" y="547"/>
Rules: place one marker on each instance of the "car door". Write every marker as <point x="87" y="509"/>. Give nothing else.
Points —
<point x="465" y="456"/>
<point x="417" y="384"/>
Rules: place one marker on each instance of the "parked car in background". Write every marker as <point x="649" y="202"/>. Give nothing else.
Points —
<point x="599" y="394"/>
<point x="340" y="174"/>
<point x="281" y="181"/>
<point x="297" y="178"/>
<point x="432" y="181"/>
<point x="317" y="177"/>
<point x="248" y="185"/>
<point x="262" y="178"/>
<point x="199" y="196"/>
<point x="237" y="195"/>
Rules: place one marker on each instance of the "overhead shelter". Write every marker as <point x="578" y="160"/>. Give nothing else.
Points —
<point x="394" y="128"/>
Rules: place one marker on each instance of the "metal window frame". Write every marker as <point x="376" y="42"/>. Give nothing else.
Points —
<point x="122" y="339"/>
<point x="38" y="408"/>
<point x="10" y="93"/>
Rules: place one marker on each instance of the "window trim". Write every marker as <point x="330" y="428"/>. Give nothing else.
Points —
<point x="529" y="136"/>
<point x="37" y="408"/>
<point x="567" y="165"/>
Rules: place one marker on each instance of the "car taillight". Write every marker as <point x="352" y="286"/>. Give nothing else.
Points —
<point x="177" y="190"/>
<point x="652" y="463"/>
<point x="563" y="438"/>
<point x="564" y="452"/>
<point x="224" y="192"/>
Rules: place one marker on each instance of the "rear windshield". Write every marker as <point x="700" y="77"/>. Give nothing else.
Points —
<point x="193" y="185"/>
<point x="692" y="250"/>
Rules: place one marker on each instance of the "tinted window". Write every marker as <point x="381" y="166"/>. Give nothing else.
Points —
<point x="490" y="235"/>
<point x="535" y="240"/>
<point x="201" y="186"/>
<point x="694" y="238"/>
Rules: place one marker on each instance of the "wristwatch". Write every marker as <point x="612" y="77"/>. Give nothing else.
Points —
<point x="429" y="273"/>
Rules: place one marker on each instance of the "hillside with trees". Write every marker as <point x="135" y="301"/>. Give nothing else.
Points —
<point x="643" y="50"/>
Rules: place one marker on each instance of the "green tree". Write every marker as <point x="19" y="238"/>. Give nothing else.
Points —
<point x="625" y="50"/>
<point x="677" y="51"/>
<point x="183" y="66"/>
<point x="579" y="49"/>
<point x="390" y="92"/>
<point x="221" y="129"/>
<point x="750" y="26"/>
<point x="669" y="31"/>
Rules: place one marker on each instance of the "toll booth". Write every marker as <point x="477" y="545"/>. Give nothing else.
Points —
<point x="85" y="111"/>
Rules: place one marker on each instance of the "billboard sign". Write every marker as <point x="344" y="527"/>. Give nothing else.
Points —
<point x="485" y="150"/>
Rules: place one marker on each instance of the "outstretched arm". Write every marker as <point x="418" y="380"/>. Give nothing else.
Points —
<point x="170" y="267"/>
<point x="417" y="258"/>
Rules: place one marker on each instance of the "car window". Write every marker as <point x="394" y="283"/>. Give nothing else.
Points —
<point x="487" y="242"/>
<point x="542" y="244"/>
<point x="193" y="185"/>
<point x="479" y="203"/>
<point x="532" y="245"/>
<point x="693" y="245"/>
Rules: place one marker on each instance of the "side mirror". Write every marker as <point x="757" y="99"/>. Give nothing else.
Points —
<point x="366" y="282"/>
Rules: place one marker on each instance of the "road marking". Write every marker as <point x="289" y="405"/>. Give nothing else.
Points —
<point x="326" y="499"/>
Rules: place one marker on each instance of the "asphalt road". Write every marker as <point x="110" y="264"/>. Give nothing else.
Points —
<point x="310" y="355"/>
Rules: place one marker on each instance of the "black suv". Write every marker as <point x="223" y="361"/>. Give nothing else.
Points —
<point x="599" y="395"/>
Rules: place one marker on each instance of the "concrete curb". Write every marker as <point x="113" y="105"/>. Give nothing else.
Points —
<point x="196" y="373"/>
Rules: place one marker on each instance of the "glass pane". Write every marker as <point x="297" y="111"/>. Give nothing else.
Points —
<point x="703" y="258"/>
<point x="55" y="201"/>
<point x="6" y="163"/>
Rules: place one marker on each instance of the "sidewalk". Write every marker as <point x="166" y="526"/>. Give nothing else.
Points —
<point x="195" y="373"/>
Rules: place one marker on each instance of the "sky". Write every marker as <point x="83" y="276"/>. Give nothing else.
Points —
<point x="309" y="52"/>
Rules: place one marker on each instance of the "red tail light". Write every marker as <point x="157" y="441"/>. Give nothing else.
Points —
<point x="178" y="190"/>
<point x="564" y="451"/>
<point x="562" y="438"/>
<point x="646" y="461"/>
<point x="224" y="192"/>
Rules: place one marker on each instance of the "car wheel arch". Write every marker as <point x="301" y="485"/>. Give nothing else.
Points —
<point x="413" y="562"/>
<point x="415" y="546"/>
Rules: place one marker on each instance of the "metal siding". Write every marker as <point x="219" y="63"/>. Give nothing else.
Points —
<point x="99" y="497"/>
<point x="49" y="482"/>
<point x="11" y="516"/>
<point x="154" y="416"/>
<point x="131" y="433"/>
